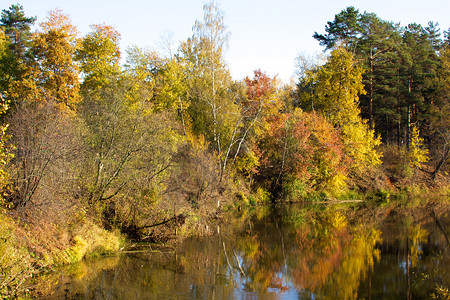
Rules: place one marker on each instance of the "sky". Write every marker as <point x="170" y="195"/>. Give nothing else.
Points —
<point x="266" y="35"/>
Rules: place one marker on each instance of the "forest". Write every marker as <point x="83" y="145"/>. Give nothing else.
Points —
<point x="95" y="153"/>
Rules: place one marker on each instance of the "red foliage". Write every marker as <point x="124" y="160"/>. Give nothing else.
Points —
<point x="300" y="146"/>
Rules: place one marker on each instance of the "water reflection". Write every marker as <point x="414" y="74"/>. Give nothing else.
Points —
<point x="287" y="253"/>
<point x="321" y="256"/>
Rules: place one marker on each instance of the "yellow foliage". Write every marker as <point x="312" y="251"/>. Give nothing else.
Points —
<point x="361" y="144"/>
<point x="339" y="221"/>
<point x="90" y="241"/>
<point x="338" y="85"/>
<point x="417" y="153"/>
<point x="417" y="236"/>
<point x="55" y="72"/>
<point x="16" y="264"/>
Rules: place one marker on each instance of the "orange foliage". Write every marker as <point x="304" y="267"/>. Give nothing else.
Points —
<point x="57" y="20"/>
<point x="301" y="146"/>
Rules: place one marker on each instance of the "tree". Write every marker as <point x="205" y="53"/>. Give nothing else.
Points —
<point x="43" y="125"/>
<point x="299" y="153"/>
<point x="211" y="110"/>
<point x="379" y="40"/>
<point x="99" y="56"/>
<point x="419" y="70"/>
<point x="55" y="72"/>
<point x="6" y="152"/>
<point x="337" y="86"/>
<point x="3" y="72"/>
<point x="440" y="109"/>
<point x="168" y="78"/>
<point x="47" y="151"/>
<point x="16" y="28"/>
<point x="400" y="69"/>
<point x="344" y="31"/>
<point x="417" y="153"/>
<point x="259" y="102"/>
<point x="129" y="149"/>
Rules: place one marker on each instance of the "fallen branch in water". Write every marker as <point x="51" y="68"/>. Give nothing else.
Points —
<point x="146" y="251"/>
<point x="335" y="201"/>
<point x="177" y="218"/>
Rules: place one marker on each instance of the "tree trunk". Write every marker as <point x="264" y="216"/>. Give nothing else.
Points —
<point x="441" y="162"/>
<point x="371" y="92"/>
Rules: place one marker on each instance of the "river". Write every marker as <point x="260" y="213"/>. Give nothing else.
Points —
<point x="289" y="252"/>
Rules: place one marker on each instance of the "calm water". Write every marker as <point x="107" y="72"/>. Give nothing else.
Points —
<point x="288" y="253"/>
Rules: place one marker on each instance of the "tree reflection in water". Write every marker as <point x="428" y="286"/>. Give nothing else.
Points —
<point x="286" y="252"/>
<point x="322" y="255"/>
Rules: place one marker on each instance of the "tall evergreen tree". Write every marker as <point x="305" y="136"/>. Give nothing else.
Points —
<point x="419" y="63"/>
<point x="400" y="69"/>
<point x="17" y="29"/>
<point x="379" y="39"/>
<point x="345" y="30"/>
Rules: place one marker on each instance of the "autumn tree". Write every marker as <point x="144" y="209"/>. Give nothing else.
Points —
<point x="55" y="72"/>
<point x="299" y="153"/>
<point x="417" y="154"/>
<point x="3" y="73"/>
<point x="168" y="77"/>
<point x="337" y="86"/>
<point x="99" y="56"/>
<point x="6" y="151"/>
<point x="257" y="100"/>
<point x="47" y="153"/>
<point x="44" y="128"/>
<point x="129" y="150"/>
<point x="211" y="110"/>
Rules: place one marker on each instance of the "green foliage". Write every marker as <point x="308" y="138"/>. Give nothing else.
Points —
<point x="344" y="29"/>
<point x="15" y="39"/>
<point x="99" y="56"/>
<point x="17" y="27"/>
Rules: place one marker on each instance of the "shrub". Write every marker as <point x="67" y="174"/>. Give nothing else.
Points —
<point x="16" y="264"/>
<point x="91" y="241"/>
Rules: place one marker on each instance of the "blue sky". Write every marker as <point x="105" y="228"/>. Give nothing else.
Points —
<point x="266" y="35"/>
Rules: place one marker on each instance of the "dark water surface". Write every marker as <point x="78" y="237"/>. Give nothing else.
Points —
<point x="286" y="253"/>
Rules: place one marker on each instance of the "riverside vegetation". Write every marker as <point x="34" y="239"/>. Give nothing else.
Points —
<point x="95" y="154"/>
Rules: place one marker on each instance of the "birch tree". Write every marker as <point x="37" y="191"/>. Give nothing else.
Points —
<point x="211" y="109"/>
